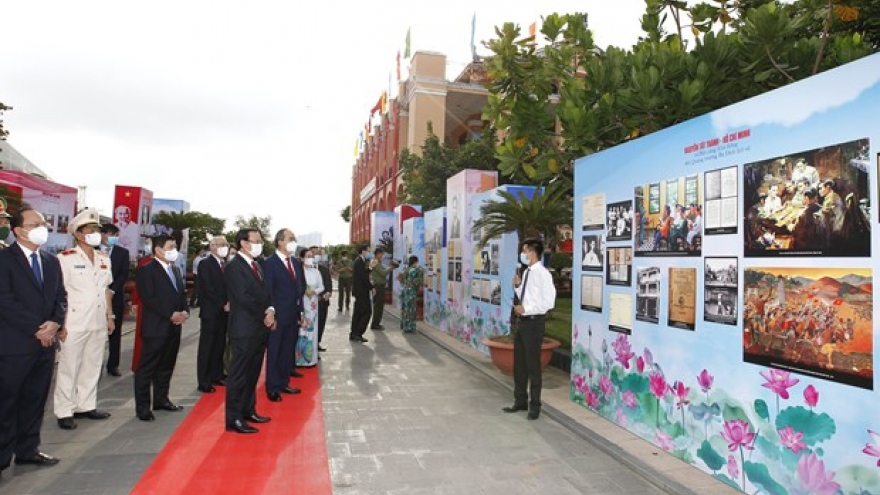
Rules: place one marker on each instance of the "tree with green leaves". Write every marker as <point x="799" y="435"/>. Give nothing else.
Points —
<point x="3" y="131"/>
<point x="538" y="216"/>
<point x="200" y="225"/>
<point x="346" y="214"/>
<point x="425" y="176"/>
<point x="263" y="224"/>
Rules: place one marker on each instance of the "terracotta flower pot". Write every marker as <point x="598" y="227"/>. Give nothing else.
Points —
<point x="501" y="352"/>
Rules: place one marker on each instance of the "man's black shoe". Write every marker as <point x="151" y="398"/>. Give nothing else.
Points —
<point x="321" y="349"/>
<point x="93" y="414"/>
<point x="291" y="390"/>
<point x="40" y="459"/>
<point x="67" y="423"/>
<point x="220" y="383"/>
<point x="147" y="416"/>
<point x="256" y="418"/>
<point x="534" y="412"/>
<point x="114" y="372"/>
<point x="239" y="426"/>
<point x="274" y="396"/>
<point x="296" y="374"/>
<point x="379" y="328"/>
<point x="168" y="406"/>
<point x="207" y="390"/>
<point x="515" y="408"/>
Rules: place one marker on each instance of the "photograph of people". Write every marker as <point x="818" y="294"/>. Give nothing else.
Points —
<point x="592" y="253"/>
<point x="129" y="232"/>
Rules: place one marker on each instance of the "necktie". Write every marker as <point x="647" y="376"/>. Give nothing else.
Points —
<point x="222" y="265"/>
<point x="290" y="269"/>
<point x="256" y="271"/>
<point x="172" y="277"/>
<point x="525" y="282"/>
<point x="35" y="266"/>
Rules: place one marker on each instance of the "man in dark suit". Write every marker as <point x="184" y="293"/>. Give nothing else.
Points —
<point x="163" y="294"/>
<point x="33" y="303"/>
<point x="324" y="301"/>
<point x="361" y="288"/>
<point x="251" y="317"/>
<point x="214" y="315"/>
<point x="286" y="282"/>
<point x="119" y="264"/>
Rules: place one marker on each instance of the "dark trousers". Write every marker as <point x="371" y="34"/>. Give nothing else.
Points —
<point x="280" y="352"/>
<point x="527" y="362"/>
<point x="24" y="387"/>
<point x="378" y="307"/>
<point x="194" y="297"/>
<point x="212" y="343"/>
<point x="344" y="292"/>
<point x="115" y="339"/>
<point x="360" y="318"/>
<point x="323" y="307"/>
<point x="244" y="370"/>
<point x="158" y="357"/>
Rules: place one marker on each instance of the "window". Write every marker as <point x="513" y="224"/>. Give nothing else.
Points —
<point x="672" y="192"/>
<point x="690" y="190"/>
<point x="654" y="198"/>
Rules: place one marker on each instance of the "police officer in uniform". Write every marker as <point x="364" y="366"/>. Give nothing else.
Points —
<point x="343" y="269"/>
<point x="87" y="277"/>
<point x="4" y="223"/>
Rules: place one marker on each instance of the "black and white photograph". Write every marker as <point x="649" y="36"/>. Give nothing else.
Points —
<point x="720" y="297"/>
<point x="486" y="262"/>
<point x="593" y="253"/>
<point x="495" y="292"/>
<point x="618" y="266"/>
<point x="493" y="259"/>
<point x="591" y="293"/>
<point x="619" y="217"/>
<point x="475" y="289"/>
<point x="450" y="271"/>
<point x="648" y="295"/>
<point x="457" y="271"/>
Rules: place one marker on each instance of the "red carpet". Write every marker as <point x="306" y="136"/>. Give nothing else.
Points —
<point x="287" y="456"/>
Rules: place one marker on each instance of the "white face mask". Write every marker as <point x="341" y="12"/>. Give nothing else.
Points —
<point x="291" y="248"/>
<point x="222" y="251"/>
<point x="309" y="261"/>
<point x="93" y="239"/>
<point x="40" y="235"/>
<point x="256" y="249"/>
<point x="171" y="255"/>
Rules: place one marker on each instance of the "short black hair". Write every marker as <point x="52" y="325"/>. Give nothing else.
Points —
<point x="158" y="241"/>
<point x="413" y="260"/>
<point x="243" y="235"/>
<point x="17" y="219"/>
<point x="378" y="251"/>
<point x="363" y="248"/>
<point x="303" y="251"/>
<point x="534" y="245"/>
<point x="109" y="228"/>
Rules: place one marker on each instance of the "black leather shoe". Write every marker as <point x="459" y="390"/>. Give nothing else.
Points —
<point x="274" y="396"/>
<point x="291" y="390"/>
<point x="168" y="406"/>
<point x="256" y="418"/>
<point x="296" y="374"/>
<point x="240" y="426"/>
<point x="515" y="408"/>
<point x="220" y="383"/>
<point x="93" y="414"/>
<point x="379" y="328"/>
<point x="534" y="412"/>
<point x="321" y="349"/>
<point x="67" y="423"/>
<point x="362" y="340"/>
<point x="147" y="416"/>
<point x="207" y="390"/>
<point x="114" y="372"/>
<point x="40" y="459"/>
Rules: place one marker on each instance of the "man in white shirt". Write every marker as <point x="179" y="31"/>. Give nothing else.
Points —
<point x="535" y="296"/>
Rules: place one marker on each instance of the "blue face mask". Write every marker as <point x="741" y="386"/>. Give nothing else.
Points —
<point x="368" y="256"/>
<point x="113" y="240"/>
<point x="524" y="258"/>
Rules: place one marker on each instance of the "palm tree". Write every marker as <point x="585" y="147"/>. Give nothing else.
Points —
<point x="539" y="216"/>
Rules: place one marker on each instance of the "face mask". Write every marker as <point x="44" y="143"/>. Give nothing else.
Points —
<point x="368" y="256"/>
<point x="317" y="258"/>
<point x="309" y="261"/>
<point x="171" y="255"/>
<point x="93" y="239"/>
<point x="524" y="258"/>
<point x="256" y="250"/>
<point x="40" y="235"/>
<point x="112" y="241"/>
<point x="291" y="248"/>
<point x="222" y="251"/>
<point x="148" y="249"/>
<point x="4" y="232"/>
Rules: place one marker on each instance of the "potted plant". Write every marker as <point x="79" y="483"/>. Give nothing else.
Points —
<point x="501" y="351"/>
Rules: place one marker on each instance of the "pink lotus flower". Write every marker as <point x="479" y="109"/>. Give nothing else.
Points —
<point x="813" y="478"/>
<point x="665" y="441"/>
<point x="606" y="385"/>
<point x="657" y="385"/>
<point x="680" y="392"/>
<point x="623" y="350"/>
<point x="811" y="396"/>
<point x="629" y="399"/>
<point x="779" y="382"/>
<point x="649" y="358"/>
<point x="580" y="383"/>
<point x="620" y="417"/>
<point x="704" y="379"/>
<point x="732" y="467"/>
<point x="873" y="448"/>
<point x="792" y="439"/>
<point x="592" y="399"/>
<point x="640" y="364"/>
<point x="737" y="434"/>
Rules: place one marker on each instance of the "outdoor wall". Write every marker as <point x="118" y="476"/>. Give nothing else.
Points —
<point x="748" y="351"/>
<point x="413" y="245"/>
<point x="402" y="213"/>
<point x="382" y="234"/>
<point x="435" y="264"/>
<point x="460" y="191"/>
<point x="494" y="266"/>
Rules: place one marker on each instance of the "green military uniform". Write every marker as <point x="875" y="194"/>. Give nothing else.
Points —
<point x="343" y="268"/>
<point x="379" y="279"/>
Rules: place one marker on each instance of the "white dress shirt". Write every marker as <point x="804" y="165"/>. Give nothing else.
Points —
<point x="540" y="296"/>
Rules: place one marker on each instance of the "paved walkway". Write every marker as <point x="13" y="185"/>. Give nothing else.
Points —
<point x="405" y="414"/>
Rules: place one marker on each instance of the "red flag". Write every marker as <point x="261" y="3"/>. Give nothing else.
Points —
<point x="378" y="106"/>
<point x="398" y="65"/>
<point x="533" y="29"/>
